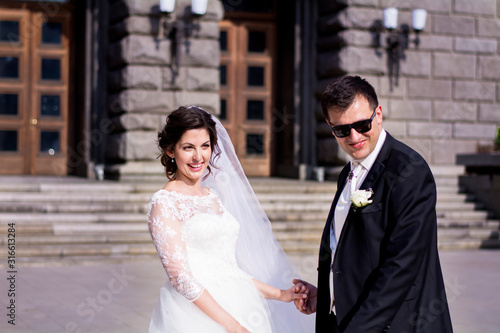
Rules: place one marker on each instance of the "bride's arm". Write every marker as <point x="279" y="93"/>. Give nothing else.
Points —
<point x="288" y="295"/>
<point x="166" y="233"/>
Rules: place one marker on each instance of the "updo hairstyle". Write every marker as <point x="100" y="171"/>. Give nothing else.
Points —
<point x="178" y="122"/>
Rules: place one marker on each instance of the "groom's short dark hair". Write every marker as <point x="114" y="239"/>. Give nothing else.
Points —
<point x="342" y="92"/>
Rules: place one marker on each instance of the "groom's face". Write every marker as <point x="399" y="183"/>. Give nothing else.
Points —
<point x="358" y="145"/>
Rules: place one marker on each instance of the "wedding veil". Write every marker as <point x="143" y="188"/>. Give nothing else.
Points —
<point x="258" y="252"/>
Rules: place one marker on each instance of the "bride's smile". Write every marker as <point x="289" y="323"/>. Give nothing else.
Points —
<point x="192" y="155"/>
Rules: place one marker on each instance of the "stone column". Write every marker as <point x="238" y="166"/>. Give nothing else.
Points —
<point x="157" y="62"/>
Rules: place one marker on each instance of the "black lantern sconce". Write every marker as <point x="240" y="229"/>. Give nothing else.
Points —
<point x="398" y="39"/>
<point x="179" y="31"/>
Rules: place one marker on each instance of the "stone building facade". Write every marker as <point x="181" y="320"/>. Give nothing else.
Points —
<point x="259" y="65"/>
<point x="148" y="76"/>
<point x="447" y="101"/>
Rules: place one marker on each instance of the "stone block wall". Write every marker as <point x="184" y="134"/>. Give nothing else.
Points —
<point x="150" y="74"/>
<point x="448" y="98"/>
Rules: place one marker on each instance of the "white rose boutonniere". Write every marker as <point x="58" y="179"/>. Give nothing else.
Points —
<point x="361" y="198"/>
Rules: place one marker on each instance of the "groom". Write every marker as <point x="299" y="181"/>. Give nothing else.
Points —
<point x="379" y="268"/>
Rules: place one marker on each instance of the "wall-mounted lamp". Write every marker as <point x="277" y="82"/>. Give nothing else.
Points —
<point x="398" y="38"/>
<point x="199" y="7"/>
<point x="419" y="16"/>
<point x="179" y="30"/>
<point x="167" y="6"/>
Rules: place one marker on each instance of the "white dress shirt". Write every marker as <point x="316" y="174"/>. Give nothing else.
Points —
<point x="344" y="203"/>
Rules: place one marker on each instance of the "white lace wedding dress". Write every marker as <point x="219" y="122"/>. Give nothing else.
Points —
<point x="196" y="239"/>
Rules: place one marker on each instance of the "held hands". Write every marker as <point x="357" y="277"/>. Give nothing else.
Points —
<point x="306" y="305"/>
<point x="294" y="293"/>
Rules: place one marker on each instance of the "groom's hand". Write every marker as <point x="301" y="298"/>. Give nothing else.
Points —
<point x="307" y="305"/>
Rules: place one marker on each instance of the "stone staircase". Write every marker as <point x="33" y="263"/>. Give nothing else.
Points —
<point x="73" y="220"/>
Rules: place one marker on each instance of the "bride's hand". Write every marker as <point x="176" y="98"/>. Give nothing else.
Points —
<point x="293" y="293"/>
<point x="308" y="305"/>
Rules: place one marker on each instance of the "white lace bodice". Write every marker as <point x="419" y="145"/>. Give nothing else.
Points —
<point x="195" y="238"/>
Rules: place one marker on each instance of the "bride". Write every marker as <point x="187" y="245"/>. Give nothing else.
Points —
<point x="225" y="269"/>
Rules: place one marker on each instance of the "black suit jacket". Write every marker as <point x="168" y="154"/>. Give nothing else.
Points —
<point x="387" y="275"/>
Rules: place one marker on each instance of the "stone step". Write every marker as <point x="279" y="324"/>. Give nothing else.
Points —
<point x="74" y="197"/>
<point x="72" y="187"/>
<point x="316" y="227"/>
<point x="468" y="244"/>
<point x="80" y="238"/>
<point x="72" y="228"/>
<point x="141" y="207"/>
<point x="298" y="236"/>
<point x="72" y="217"/>
<point x="305" y="247"/>
<point x="468" y="233"/>
<point x="290" y="214"/>
<point x="294" y="197"/>
<point x="77" y="220"/>
<point x="73" y="207"/>
<point x="56" y="250"/>
<point x="472" y="215"/>
<point x="83" y="260"/>
<point x="465" y="223"/>
<point x="278" y="226"/>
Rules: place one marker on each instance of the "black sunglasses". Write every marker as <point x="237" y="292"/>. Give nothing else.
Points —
<point x="362" y="126"/>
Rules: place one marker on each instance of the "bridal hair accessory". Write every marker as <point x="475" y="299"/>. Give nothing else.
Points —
<point x="361" y="198"/>
<point x="258" y="253"/>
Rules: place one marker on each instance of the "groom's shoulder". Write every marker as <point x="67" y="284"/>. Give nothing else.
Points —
<point x="400" y="155"/>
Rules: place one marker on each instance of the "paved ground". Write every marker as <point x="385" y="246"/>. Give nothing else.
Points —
<point x="109" y="298"/>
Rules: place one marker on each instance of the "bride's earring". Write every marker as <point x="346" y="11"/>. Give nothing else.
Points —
<point x="173" y="161"/>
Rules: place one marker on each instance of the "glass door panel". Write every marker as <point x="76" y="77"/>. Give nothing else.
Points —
<point x="9" y="67"/>
<point x="8" y="104"/>
<point x="8" y="141"/>
<point x="9" y="31"/>
<point x="34" y="70"/>
<point x="13" y="88"/>
<point x="50" y="106"/>
<point x="52" y="33"/>
<point x="246" y="91"/>
<point x="50" y="142"/>
<point x="51" y="69"/>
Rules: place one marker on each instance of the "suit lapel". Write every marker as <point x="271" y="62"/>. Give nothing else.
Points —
<point x="375" y="171"/>
<point x="379" y="164"/>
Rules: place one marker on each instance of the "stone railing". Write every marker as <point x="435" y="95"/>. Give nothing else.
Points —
<point x="482" y="178"/>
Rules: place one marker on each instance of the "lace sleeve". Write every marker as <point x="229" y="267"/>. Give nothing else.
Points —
<point x="166" y="232"/>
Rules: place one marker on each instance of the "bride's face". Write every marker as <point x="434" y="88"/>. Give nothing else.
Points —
<point x="192" y="155"/>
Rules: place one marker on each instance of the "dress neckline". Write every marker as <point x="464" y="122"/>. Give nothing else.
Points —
<point x="210" y="193"/>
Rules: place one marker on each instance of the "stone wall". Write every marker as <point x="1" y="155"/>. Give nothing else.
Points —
<point x="448" y="98"/>
<point x="151" y="73"/>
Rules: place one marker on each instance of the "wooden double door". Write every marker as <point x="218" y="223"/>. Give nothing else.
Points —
<point x="247" y="91"/>
<point x="34" y="91"/>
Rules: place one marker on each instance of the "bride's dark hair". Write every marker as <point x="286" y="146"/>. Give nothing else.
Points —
<point x="178" y="122"/>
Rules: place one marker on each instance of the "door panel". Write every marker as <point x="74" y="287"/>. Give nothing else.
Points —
<point x="247" y="51"/>
<point x="34" y="81"/>
<point x="14" y="69"/>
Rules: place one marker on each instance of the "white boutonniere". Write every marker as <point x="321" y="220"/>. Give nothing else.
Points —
<point x="361" y="198"/>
